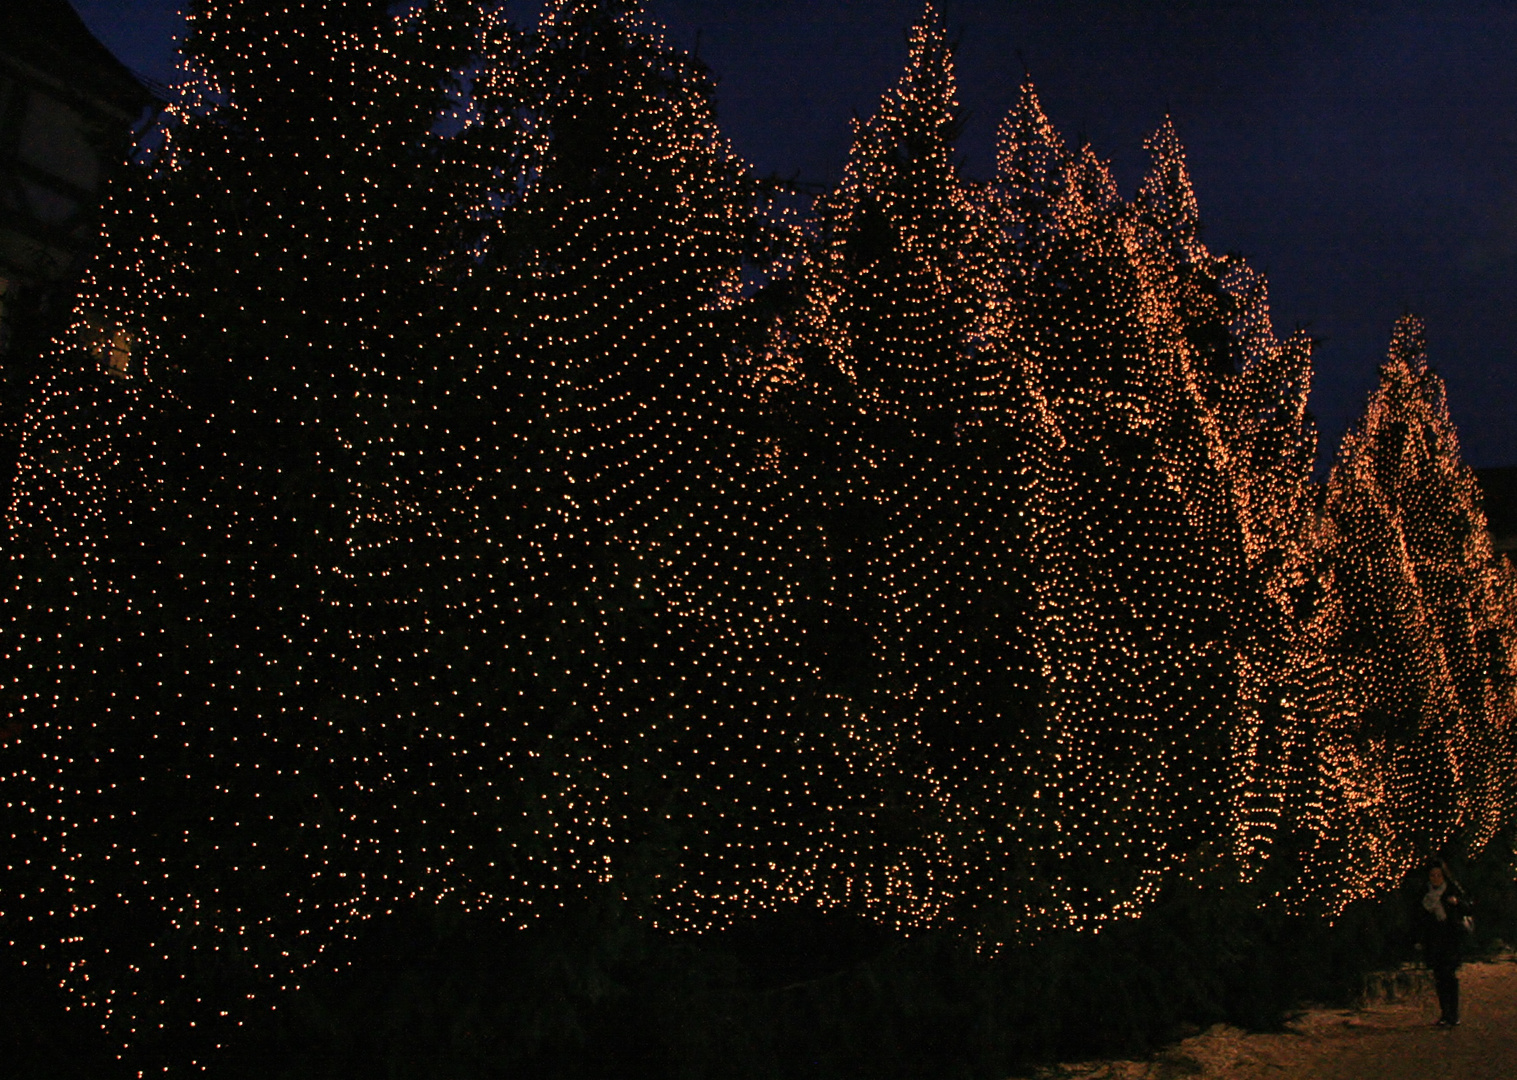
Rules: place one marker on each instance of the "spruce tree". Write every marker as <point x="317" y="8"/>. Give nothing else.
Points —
<point x="1254" y="389"/>
<point x="199" y="785"/>
<point x="1422" y="610"/>
<point x="662" y="598"/>
<point x="1137" y="547"/>
<point x="1189" y="277"/>
<point x="917" y="442"/>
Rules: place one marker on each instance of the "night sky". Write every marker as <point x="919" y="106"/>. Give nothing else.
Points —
<point x="1363" y="154"/>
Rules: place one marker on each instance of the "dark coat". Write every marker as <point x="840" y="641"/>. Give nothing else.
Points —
<point x="1443" y="942"/>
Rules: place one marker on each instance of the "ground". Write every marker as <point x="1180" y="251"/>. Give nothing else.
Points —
<point x="1391" y="1039"/>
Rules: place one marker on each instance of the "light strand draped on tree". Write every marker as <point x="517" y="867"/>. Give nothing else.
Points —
<point x="1422" y="618"/>
<point x="1136" y="550"/>
<point x="193" y="643"/>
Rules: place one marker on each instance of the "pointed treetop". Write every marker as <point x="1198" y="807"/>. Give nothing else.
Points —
<point x="1408" y="351"/>
<point x="1093" y="189"/>
<point x="1166" y="198"/>
<point x="1411" y="393"/>
<point x="930" y="57"/>
<point x="1406" y="422"/>
<point x="907" y="146"/>
<point x="1029" y="152"/>
<point x="925" y="100"/>
<point x="1025" y="133"/>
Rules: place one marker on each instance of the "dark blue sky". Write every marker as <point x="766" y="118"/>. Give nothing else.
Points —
<point x="1362" y="152"/>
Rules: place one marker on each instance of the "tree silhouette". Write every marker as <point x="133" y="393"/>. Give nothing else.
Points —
<point x="1420" y="588"/>
<point x="192" y="485"/>
<point x="1138" y="552"/>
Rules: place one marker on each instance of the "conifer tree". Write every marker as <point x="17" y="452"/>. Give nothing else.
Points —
<point x="193" y="481"/>
<point x="1270" y="445"/>
<point x="663" y="596"/>
<point x="916" y="438"/>
<point x="1182" y="269"/>
<point x="1422" y="609"/>
<point x="1254" y="389"/>
<point x="1136" y="544"/>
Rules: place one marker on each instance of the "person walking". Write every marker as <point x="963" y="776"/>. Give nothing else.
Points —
<point x="1445" y="911"/>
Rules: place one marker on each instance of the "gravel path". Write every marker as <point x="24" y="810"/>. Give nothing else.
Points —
<point x="1393" y="1041"/>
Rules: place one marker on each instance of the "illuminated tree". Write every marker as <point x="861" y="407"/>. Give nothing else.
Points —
<point x="916" y="438"/>
<point x="193" y="481"/>
<point x="1138" y="547"/>
<point x="1254" y="386"/>
<point x="668" y="570"/>
<point x="1423" y="616"/>
<point x="1193" y="282"/>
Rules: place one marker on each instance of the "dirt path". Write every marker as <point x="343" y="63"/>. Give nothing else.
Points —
<point x="1382" y="1042"/>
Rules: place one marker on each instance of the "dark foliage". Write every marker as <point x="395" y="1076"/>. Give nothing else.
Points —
<point x="596" y="995"/>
